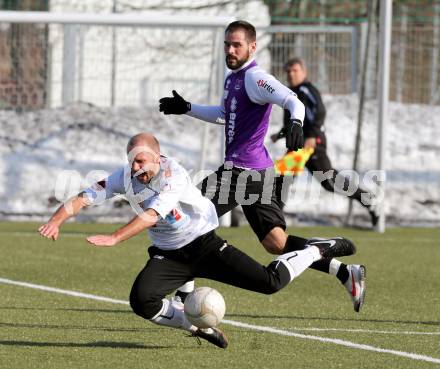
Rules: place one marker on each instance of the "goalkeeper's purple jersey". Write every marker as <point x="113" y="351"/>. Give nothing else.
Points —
<point x="246" y="124"/>
<point x="245" y="109"/>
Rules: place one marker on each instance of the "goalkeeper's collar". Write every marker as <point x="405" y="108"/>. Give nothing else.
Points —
<point x="243" y="66"/>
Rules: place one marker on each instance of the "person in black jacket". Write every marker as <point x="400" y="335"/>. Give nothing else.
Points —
<point x="314" y="131"/>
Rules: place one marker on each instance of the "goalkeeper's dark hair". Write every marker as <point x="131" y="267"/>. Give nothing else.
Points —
<point x="249" y="29"/>
<point x="295" y="61"/>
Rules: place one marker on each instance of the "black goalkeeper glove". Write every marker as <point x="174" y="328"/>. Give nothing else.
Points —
<point x="174" y="105"/>
<point x="294" y="135"/>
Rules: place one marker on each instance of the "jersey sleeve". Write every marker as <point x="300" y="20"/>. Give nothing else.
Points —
<point x="208" y="113"/>
<point x="106" y="188"/>
<point x="172" y="188"/>
<point x="263" y="88"/>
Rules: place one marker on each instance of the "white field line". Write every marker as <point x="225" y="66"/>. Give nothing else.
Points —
<point x="336" y="341"/>
<point x="239" y="324"/>
<point x="359" y="330"/>
<point x="63" y="292"/>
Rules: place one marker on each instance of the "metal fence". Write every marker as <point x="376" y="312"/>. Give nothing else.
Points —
<point x="416" y="61"/>
<point x="331" y="54"/>
<point x="415" y="52"/>
<point x="416" y="40"/>
<point x="50" y="64"/>
<point x="47" y="65"/>
<point x="346" y="11"/>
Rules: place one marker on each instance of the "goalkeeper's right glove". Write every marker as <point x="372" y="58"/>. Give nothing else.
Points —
<point x="294" y="135"/>
<point x="174" y="105"/>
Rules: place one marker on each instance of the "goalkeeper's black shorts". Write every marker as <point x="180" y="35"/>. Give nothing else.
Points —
<point x="254" y="190"/>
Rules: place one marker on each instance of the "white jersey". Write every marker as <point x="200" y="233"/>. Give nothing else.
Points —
<point x="184" y="214"/>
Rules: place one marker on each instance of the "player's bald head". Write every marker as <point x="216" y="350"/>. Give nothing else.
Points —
<point x="144" y="139"/>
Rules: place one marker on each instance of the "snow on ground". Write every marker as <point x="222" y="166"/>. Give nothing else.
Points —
<point x="49" y="155"/>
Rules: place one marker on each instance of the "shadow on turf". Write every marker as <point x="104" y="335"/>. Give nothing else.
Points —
<point x="127" y="311"/>
<point x="257" y="316"/>
<point x="75" y="327"/>
<point x="105" y="344"/>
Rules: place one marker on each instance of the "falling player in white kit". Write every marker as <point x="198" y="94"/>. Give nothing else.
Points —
<point x="181" y="223"/>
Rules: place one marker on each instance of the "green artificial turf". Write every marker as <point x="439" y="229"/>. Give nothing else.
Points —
<point x="40" y="329"/>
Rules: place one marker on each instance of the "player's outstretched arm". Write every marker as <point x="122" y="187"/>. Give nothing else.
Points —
<point x="178" y="105"/>
<point x="135" y="226"/>
<point x="51" y="229"/>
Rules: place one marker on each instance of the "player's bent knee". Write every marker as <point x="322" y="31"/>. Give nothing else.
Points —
<point x="273" y="248"/>
<point x="274" y="283"/>
<point x="272" y="288"/>
<point x="275" y="241"/>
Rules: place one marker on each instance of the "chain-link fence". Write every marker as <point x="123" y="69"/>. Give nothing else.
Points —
<point x="416" y="40"/>
<point x="331" y="54"/>
<point x="47" y="64"/>
<point x="35" y="66"/>
<point x="415" y="51"/>
<point x="346" y="11"/>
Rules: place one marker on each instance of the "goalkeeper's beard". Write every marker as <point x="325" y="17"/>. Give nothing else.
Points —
<point x="234" y="63"/>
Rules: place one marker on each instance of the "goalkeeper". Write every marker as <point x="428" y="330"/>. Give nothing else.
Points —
<point x="247" y="176"/>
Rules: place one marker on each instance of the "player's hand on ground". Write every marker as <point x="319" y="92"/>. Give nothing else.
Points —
<point x="294" y="135"/>
<point x="174" y="105"/>
<point x="49" y="230"/>
<point x="102" y="240"/>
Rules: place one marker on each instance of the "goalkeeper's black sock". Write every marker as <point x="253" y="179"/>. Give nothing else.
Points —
<point x="322" y="265"/>
<point x="342" y="273"/>
<point x="294" y="243"/>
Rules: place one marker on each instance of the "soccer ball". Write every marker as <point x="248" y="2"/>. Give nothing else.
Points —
<point x="204" y="307"/>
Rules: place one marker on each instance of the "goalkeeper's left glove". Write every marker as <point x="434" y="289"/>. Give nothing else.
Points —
<point x="174" y="105"/>
<point x="294" y="135"/>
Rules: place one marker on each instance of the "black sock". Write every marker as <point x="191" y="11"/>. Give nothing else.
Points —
<point x="342" y="273"/>
<point x="182" y="295"/>
<point x="294" y="243"/>
<point x="322" y="265"/>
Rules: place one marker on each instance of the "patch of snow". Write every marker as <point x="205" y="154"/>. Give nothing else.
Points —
<point x="51" y="154"/>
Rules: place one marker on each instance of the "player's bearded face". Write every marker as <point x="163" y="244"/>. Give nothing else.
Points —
<point x="238" y="50"/>
<point x="144" y="165"/>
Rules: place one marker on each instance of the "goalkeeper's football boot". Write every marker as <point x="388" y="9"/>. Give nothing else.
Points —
<point x="333" y="247"/>
<point x="212" y="335"/>
<point x="355" y="285"/>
